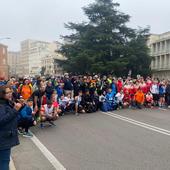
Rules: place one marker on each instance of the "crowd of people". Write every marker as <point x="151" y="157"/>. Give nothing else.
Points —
<point x="46" y="99"/>
<point x="26" y="102"/>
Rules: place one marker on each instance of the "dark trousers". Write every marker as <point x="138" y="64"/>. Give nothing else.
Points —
<point x="138" y="105"/>
<point x="168" y="99"/>
<point x="25" y="124"/>
<point x="4" y="159"/>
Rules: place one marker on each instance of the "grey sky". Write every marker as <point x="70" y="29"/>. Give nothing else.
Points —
<point x="44" y="19"/>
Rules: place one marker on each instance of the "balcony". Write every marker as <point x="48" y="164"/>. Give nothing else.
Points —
<point x="157" y="53"/>
<point x="160" y="68"/>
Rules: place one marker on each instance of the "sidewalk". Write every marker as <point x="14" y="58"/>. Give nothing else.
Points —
<point x="27" y="156"/>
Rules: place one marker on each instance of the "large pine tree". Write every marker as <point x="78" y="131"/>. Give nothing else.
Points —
<point x="105" y="44"/>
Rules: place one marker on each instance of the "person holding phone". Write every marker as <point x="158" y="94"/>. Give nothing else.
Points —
<point x="8" y="125"/>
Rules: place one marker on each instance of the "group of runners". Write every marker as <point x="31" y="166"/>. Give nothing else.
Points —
<point x="46" y="99"/>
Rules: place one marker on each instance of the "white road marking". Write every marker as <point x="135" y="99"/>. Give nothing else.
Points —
<point x="53" y="160"/>
<point x="11" y="165"/>
<point x="141" y="124"/>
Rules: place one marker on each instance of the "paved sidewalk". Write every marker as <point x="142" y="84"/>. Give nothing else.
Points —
<point x="27" y="156"/>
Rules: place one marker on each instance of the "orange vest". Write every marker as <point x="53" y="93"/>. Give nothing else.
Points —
<point x="26" y="92"/>
<point x="139" y="97"/>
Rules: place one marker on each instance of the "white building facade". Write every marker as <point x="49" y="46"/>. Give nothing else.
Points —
<point x="24" y="61"/>
<point x="13" y="60"/>
<point x="160" y="53"/>
<point x="49" y="61"/>
<point x="37" y="54"/>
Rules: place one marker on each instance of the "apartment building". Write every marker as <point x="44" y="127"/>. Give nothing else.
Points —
<point x="38" y="54"/>
<point x="3" y="62"/>
<point x="13" y="60"/>
<point x="160" y="53"/>
<point x="50" y="61"/>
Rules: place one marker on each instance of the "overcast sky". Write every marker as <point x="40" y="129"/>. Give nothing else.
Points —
<point x="44" y="19"/>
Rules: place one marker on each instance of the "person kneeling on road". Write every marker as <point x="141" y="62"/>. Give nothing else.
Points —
<point x="26" y="118"/>
<point x="78" y="104"/>
<point x="48" y="113"/>
<point x="139" y="98"/>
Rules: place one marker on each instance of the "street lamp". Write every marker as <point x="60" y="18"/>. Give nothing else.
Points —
<point x="5" y="38"/>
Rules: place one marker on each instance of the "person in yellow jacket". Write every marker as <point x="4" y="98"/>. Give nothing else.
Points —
<point x="139" y="98"/>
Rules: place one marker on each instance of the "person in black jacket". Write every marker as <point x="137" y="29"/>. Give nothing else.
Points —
<point x="68" y="86"/>
<point x="167" y="94"/>
<point x="8" y="125"/>
<point x="88" y="103"/>
<point x="49" y="90"/>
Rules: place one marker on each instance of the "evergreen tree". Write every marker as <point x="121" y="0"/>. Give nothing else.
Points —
<point x="105" y="44"/>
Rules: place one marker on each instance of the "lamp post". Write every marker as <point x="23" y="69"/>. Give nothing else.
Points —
<point x="5" y="38"/>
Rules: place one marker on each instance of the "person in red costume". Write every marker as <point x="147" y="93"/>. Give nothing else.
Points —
<point x="144" y="87"/>
<point x="119" y="84"/>
<point x="126" y="99"/>
<point x="132" y="90"/>
<point x="149" y="83"/>
<point x="149" y="100"/>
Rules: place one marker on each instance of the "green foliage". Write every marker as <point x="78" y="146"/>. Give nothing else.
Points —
<point x="105" y="44"/>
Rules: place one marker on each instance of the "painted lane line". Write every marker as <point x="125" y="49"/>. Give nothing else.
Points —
<point x="11" y="164"/>
<point x="56" y="164"/>
<point x="141" y="124"/>
<point x="164" y="130"/>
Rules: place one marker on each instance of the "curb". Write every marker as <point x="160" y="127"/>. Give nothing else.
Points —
<point x="11" y="165"/>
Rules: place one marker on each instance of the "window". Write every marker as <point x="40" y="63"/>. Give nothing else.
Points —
<point x="4" y="61"/>
<point x="3" y="51"/>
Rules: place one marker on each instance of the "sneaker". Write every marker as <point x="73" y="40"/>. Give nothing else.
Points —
<point x="27" y="135"/>
<point x="51" y="123"/>
<point x="20" y="132"/>
<point x="41" y="125"/>
<point x="83" y="111"/>
<point x="76" y="114"/>
<point x="38" y="119"/>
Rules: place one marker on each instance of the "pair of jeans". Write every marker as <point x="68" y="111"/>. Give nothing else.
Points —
<point x="5" y="159"/>
<point x="138" y="105"/>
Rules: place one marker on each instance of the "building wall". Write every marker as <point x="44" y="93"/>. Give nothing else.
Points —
<point x="32" y="53"/>
<point x="13" y="63"/>
<point x="160" y="53"/>
<point x="37" y="54"/>
<point x="38" y="51"/>
<point x="3" y="62"/>
<point x="24" y="60"/>
<point x="49" y="61"/>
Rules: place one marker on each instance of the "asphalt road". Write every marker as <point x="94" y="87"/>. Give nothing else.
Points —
<point x="101" y="142"/>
